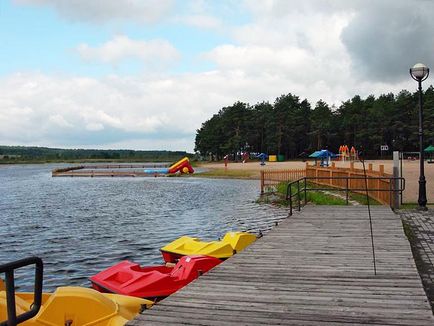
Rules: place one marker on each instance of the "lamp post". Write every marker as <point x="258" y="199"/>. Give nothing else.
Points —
<point x="419" y="73"/>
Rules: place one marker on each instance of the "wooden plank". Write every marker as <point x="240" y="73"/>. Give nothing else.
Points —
<point x="314" y="268"/>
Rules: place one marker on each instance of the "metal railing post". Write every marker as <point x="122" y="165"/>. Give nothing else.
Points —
<point x="390" y="194"/>
<point x="290" y="198"/>
<point x="346" y="191"/>
<point x="10" y="298"/>
<point x="298" y="195"/>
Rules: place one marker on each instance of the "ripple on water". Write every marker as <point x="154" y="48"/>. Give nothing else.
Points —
<point x="80" y="226"/>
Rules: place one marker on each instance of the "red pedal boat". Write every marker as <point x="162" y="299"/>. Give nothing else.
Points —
<point x="154" y="282"/>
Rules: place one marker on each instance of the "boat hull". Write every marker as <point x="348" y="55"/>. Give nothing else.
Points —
<point x="155" y="282"/>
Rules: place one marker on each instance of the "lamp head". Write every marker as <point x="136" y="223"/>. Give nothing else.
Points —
<point x="419" y="72"/>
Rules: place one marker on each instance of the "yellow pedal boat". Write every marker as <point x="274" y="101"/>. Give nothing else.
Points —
<point x="76" y="306"/>
<point x="231" y="243"/>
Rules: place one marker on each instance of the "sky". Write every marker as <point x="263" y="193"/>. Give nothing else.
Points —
<point x="145" y="74"/>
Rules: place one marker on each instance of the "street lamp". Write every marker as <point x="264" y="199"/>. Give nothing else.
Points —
<point x="419" y="73"/>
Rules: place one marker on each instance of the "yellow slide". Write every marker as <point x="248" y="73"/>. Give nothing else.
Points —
<point x="76" y="306"/>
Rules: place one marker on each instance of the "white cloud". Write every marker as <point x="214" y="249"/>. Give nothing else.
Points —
<point x="121" y="48"/>
<point x="141" y="11"/>
<point x="59" y="121"/>
<point x="304" y="47"/>
<point x="94" y="126"/>
<point x="159" y="112"/>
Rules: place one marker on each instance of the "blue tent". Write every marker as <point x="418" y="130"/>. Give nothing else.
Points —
<point x="324" y="153"/>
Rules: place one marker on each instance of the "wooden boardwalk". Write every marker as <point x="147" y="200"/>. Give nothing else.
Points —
<point x="315" y="268"/>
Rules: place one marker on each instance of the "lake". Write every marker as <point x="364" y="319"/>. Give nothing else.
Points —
<point x="79" y="226"/>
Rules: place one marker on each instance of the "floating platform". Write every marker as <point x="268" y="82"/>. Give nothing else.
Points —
<point x="108" y="170"/>
<point x="183" y="166"/>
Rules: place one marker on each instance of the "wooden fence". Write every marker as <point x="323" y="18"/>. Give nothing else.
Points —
<point x="271" y="178"/>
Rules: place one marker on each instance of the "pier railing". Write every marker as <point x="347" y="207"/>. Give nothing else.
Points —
<point x="395" y="185"/>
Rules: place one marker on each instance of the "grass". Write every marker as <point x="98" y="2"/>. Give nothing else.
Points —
<point x="314" y="197"/>
<point x="330" y="197"/>
<point x="227" y="174"/>
<point x="361" y="199"/>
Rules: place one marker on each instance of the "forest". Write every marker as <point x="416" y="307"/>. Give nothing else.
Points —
<point x="18" y="154"/>
<point x="293" y="127"/>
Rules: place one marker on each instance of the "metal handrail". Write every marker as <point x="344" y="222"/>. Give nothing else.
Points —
<point x="9" y="269"/>
<point x="347" y="189"/>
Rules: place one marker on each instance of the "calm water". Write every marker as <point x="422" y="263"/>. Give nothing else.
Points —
<point x="80" y="226"/>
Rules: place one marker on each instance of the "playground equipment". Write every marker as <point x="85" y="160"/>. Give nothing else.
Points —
<point x="346" y="154"/>
<point x="262" y="157"/>
<point x="343" y="152"/>
<point x="324" y="155"/>
<point x="183" y="166"/>
<point x="353" y="154"/>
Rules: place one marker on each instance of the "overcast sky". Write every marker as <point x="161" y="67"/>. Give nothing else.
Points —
<point x="144" y="74"/>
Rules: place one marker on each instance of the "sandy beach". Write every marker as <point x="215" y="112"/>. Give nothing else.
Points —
<point x="410" y="173"/>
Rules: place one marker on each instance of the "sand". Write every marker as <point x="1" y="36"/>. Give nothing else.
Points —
<point x="410" y="173"/>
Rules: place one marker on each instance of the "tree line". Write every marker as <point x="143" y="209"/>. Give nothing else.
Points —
<point x="45" y="154"/>
<point x="292" y="127"/>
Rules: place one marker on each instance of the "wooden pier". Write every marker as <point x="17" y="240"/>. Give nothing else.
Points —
<point x="314" y="268"/>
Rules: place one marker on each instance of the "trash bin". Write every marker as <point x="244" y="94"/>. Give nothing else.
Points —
<point x="280" y="157"/>
<point x="272" y="158"/>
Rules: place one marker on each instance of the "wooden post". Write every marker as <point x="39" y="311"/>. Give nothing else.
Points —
<point x="331" y="176"/>
<point x="380" y="173"/>
<point x="262" y="182"/>
<point x="395" y="182"/>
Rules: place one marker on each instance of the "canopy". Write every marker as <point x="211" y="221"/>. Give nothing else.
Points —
<point x="322" y="154"/>
<point x="429" y="149"/>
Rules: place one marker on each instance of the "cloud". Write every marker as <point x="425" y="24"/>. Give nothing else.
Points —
<point x="159" y="112"/>
<point x="330" y="50"/>
<point x="121" y="48"/>
<point x="381" y="39"/>
<point x="59" y="120"/>
<point x="386" y="40"/>
<point x="140" y="11"/>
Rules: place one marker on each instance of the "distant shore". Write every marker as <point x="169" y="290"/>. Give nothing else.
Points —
<point x="81" y="161"/>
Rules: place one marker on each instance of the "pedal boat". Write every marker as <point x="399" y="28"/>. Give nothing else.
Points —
<point x="76" y="306"/>
<point x="231" y="243"/>
<point x="155" y="282"/>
